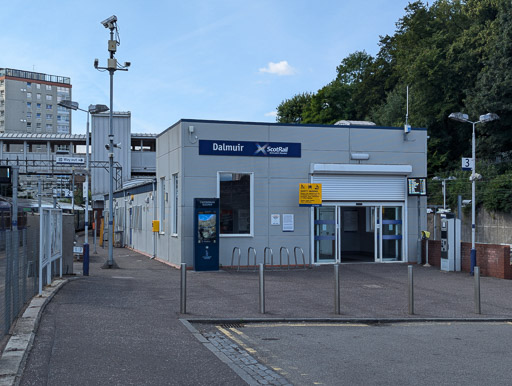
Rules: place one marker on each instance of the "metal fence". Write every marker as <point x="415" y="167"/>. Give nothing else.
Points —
<point x="19" y="256"/>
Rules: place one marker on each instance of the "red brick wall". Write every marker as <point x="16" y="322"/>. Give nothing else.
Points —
<point x="493" y="260"/>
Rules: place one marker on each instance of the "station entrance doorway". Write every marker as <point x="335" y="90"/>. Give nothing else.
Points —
<point x="348" y="233"/>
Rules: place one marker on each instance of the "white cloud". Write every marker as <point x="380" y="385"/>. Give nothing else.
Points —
<point x="271" y="114"/>
<point x="281" y="68"/>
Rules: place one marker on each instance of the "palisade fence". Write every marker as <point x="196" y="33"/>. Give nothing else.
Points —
<point x="19" y="259"/>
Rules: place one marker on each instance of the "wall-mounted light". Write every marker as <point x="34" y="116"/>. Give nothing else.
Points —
<point x="360" y="156"/>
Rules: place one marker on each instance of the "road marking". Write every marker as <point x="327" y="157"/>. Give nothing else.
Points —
<point x="236" y="340"/>
<point x="263" y="325"/>
<point x="123" y="277"/>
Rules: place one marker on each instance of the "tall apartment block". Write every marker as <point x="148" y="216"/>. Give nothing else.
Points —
<point x="28" y="102"/>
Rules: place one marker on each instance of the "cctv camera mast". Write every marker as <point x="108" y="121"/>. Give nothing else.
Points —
<point x="112" y="66"/>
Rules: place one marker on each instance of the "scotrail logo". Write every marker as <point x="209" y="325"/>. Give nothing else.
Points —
<point x="269" y="150"/>
<point x="261" y="149"/>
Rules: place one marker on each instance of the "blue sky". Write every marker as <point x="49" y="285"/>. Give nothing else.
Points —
<point x="222" y="60"/>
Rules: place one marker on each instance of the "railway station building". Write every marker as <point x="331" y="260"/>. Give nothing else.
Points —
<point x="371" y="210"/>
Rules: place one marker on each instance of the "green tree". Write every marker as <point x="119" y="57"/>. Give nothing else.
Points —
<point x="291" y="110"/>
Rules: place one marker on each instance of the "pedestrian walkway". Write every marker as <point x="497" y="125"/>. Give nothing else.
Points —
<point x="122" y="326"/>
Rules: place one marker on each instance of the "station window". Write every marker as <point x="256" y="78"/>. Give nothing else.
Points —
<point x="174" y="204"/>
<point x="236" y="203"/>
<point x="162" y="204"/>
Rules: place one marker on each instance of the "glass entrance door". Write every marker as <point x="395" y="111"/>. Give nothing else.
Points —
<point x="325" y="234"/>
<point x="344" y="233"/>
<point x="392" y="233"/>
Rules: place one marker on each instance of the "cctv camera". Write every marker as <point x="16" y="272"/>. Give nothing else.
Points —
<point x="107" y="23"/>
<point x="107" y="146"/>
<point x="127" y="64"/>
<point x="96" y="62"/>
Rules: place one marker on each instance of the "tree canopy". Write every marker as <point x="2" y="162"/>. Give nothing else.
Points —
<point x="454" y="56"/>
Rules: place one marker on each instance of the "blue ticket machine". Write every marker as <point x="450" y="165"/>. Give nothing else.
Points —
<point x="206" y="234"/>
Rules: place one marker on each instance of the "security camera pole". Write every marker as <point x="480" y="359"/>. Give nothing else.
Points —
<point x="111" y="23"/>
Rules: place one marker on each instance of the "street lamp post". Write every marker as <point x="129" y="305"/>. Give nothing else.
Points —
<point x="460" y="117"/>
<point x="93" y="109"/>
<point x="443" y="181"/>
<point x="112" y="67"/>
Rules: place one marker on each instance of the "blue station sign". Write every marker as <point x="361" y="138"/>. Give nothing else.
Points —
<point x="249" y="149"/>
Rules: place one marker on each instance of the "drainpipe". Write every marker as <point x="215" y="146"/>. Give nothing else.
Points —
<point x="154" y="218"/>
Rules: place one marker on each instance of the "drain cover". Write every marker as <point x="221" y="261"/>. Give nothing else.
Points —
<point x="232" y="325"/>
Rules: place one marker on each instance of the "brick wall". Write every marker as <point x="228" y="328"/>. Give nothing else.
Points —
<point x="493" y="260"/>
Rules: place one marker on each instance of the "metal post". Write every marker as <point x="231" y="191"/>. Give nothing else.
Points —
<point x="444" y="193"/>
<point x="94" y="226"/>
<point x="85" y="267"/>
<point x="418" y="253"/>
<point x="337" y="289"/>
<point x="426" y="254"/>
<point x="411" y="290"/>
<point x="478" y="308"/>
<point x="183" y="289"/>
<point x="111" y="164"/>
<point x="15" y="243"/>
<point x="73" y="191"/>
<point x="262" y="288"/>
<point x="473" y="205"/>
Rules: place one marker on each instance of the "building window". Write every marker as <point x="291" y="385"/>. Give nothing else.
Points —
<point x="29" y="105"/>
<point x="48" y="97"/>
<point x="38" y="126"/>
<point x="38" y="96"/>
<point x="29" y="84"/>
<point x="29" y="115"/>
<point x="29" y="126"/>
<point x="38" y="86"/>
<point x="235" y="191"/>
<point x="48" y="107"/>
<point x="48" y="87"/>
<point x="49" y="127"/>
<point x="174" y="204"/>
<point x="162" y="204"/>
<point x="49" y="116"/>
<point x="38" y="105"/>
<point x="38" y="115"/>
<point x="62" y="129"/>
<point x="29" y="95"/>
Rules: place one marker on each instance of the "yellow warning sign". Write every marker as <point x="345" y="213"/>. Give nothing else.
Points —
<point x="310" y="194"/>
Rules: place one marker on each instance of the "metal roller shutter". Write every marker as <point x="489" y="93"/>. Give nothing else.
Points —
<point x="361" y="188"/>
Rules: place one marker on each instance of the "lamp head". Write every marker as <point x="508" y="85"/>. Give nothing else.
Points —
<point x="460" y="117"/>
<point x="68" y="104"/>
<point x="96" y="109"/>
<point x="489" y="117"/>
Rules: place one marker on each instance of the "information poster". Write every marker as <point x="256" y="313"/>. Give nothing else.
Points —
<point x="275" y="219"/>
<point x="288" y="223"/>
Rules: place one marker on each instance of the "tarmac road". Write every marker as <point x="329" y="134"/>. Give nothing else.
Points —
<point x="454" y="353"/>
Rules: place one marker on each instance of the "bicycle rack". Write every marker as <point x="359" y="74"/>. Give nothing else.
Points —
<point x="265" y="256"/>
<point x="303" y="257"/>
<point x="281" y="256"/>
<point x="233" y="257"/>
<point x="249" y="255"/>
